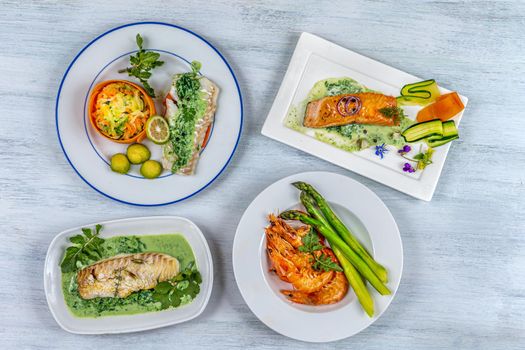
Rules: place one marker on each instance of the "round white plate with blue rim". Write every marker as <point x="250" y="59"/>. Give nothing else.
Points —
<point x="89" y="153"/>
<point x="363" y="213"/>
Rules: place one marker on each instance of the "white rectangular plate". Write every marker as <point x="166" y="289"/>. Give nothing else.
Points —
<point x="316" y="59"/>
<point x="153" y="225"/>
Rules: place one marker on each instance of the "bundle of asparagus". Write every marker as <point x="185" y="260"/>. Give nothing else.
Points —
<point x="358" y="265"/>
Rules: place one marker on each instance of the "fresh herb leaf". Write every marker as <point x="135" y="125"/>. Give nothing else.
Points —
<point x="310" y="242"/>
<point x="86" y="248"/>
<point x="181" y="289"/>
<point x="320" y="261"/>
<point x="325" y="263"/>
<point x="196" y="67"/>
<point x="422" y="159"/>
<point x="141" y="65"/>
<point x="139" y="40"/>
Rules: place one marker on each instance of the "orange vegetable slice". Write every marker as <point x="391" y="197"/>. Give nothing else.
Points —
<point x="445" y="107"/>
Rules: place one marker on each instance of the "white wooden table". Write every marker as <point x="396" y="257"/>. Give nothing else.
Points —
<point x="463" y="285"/>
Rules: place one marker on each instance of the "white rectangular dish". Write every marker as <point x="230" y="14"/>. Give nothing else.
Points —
<point x="153" y="225"/>
<point x="315" y="59"/>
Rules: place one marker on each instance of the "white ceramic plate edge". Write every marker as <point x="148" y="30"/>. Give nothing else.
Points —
<point x="423" y="188"/>
<point x="208" y="261"/>
<point x="398" y="236"/>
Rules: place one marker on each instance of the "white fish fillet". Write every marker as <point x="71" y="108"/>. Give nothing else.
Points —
<point x="210" y="92"/>
<point x="122" y="275"/>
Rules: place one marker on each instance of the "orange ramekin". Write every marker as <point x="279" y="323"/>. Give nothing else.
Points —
<point x="92" y="102"/>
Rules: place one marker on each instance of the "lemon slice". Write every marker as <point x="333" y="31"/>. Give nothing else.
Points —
<point x="157" y="129"/>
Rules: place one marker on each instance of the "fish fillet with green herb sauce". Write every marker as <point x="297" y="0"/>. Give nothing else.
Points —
<point x="190" y="111"/>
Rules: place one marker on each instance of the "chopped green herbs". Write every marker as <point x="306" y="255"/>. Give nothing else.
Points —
<point x="86" y="249"/>
<point x="191" y="107"/>
<point x="141" y="65"/>
<point x="343" y="86"/>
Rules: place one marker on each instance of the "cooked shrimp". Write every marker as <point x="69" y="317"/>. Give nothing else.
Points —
<point x="330" y="293"/>
<point x="288" y="262"/>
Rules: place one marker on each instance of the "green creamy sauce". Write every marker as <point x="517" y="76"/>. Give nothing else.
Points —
<point x="351" y="137"/>
<point x="138" y="302"/>
<point x="192" y="107"/>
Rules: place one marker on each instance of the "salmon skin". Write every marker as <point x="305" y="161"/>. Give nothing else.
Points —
<point x="122" y="275"/>
<point x="360" y="108"/>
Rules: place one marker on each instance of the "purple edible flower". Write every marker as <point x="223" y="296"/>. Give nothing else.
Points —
<point x="408" y="168"/>
<point x="381" y="150"/>
<point x="405" y="149"/>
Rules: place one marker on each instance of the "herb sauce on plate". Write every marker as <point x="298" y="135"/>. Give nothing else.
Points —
<point x="138" y="302"/>
<point x="351" y="137"/>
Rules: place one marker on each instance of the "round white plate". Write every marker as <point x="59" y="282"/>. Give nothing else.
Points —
<point x="88" y="152"/>
<point x="364" y="214"/>
<point x="153" y="225"/>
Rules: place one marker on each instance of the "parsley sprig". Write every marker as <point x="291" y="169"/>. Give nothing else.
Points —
<point x="141" y="65"/>
<point x="311" y="245"/>
<point x="182" y="288"/>
<point x="86" y="248"/>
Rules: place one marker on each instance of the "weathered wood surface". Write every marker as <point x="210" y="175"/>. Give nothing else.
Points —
<point x="463" y="285"/>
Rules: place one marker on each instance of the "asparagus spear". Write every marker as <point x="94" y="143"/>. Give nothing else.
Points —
<point x="353" y="276"/>
<point x="356" y="281"/>
<point x="343" y="231"/>
<point x="358" y="263"/>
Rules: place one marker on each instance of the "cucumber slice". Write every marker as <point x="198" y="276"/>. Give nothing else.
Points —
<point x="450" y="132"/>
<point x="423" y="130"/>
<point x="436" y="142"/>
<point x="449" y="129"/>
<point x="420" y="93"/>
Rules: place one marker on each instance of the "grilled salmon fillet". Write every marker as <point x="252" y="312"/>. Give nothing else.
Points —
<point x="360" y="108"/>
<point x="124" y="274"/>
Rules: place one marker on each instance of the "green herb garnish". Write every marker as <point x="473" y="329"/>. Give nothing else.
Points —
<point x="422" y="158"/>
<point x="390" y="112"/>
<point x="183" y="288"/>
<point x="141" y="65"/>
<point x="311" y="245"/>
<point x="191" y="107"/>
<point x="85" y="249"/>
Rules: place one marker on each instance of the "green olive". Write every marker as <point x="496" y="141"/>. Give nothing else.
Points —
<point x="151" y="169"/>
<point x="120" y="163"/>
<point x="138" y="153"/>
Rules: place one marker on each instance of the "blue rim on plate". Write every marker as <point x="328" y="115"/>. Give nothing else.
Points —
<point x="168" y="25"/>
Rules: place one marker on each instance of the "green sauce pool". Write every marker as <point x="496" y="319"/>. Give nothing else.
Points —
<point x="351" y="137"/>
<point x="138" y="302"/>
